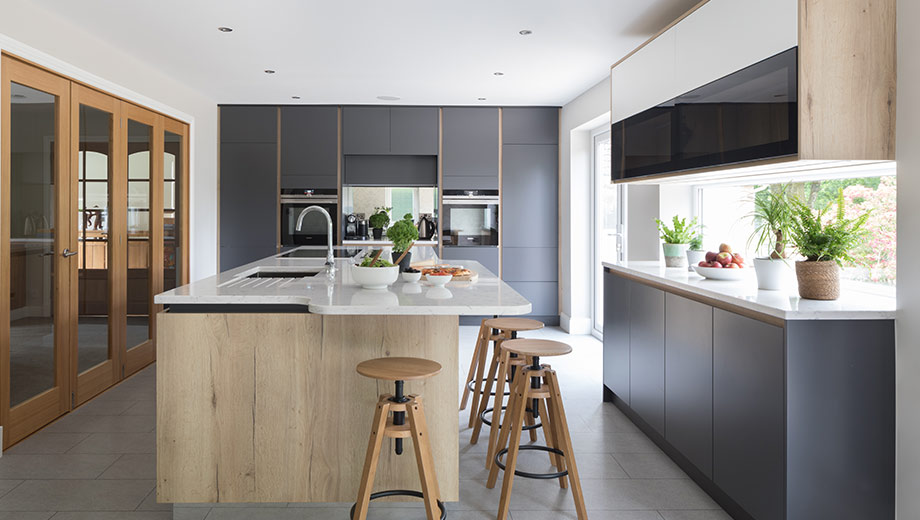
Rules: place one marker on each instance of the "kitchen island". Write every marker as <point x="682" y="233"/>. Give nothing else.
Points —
<point x="779" y="407"/>
<point x="258" y="399"/>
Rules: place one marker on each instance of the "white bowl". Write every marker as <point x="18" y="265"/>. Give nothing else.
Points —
<point x="439" y="281"/>
<point x="721" y="273"/>
<point x="374" y="277"/>
<point x="411" y="277"/>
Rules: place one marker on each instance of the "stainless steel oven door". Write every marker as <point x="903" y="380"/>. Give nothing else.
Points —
<point x="470" y="221"/>
<point x="313" y="231"/>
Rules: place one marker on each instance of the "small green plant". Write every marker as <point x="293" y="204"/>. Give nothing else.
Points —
<point x="403" y="233"/>
<point x="818" y="238"/>
<point x="681" y="232"/>
<point x="380" y="219"/>
<point x="696" y="242"/>
<point x="772" y="219"/>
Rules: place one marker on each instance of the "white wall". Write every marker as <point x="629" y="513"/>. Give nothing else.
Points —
<point x="908" y="322"/>
<point x="41" y="36"/>
<point x="579" y="117"/>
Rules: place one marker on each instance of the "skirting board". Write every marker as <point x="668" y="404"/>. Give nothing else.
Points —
<point x="577" y="326"/>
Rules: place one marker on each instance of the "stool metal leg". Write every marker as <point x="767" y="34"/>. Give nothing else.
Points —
<point x="370" y="461"/>
<point x="426" y="471"/>
<point x="562" y="427"/>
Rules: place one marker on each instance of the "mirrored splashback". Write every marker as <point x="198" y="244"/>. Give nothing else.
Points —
<point x="415" y="200"/>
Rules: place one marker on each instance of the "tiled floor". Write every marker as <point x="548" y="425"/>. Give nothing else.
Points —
<point x="98" y="463"/>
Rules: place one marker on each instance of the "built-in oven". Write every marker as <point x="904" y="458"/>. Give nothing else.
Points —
<point x="313" y="230"/>
<point x="470" y="218"/>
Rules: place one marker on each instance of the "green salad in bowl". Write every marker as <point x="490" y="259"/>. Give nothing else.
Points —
<point x="369" y="260"/>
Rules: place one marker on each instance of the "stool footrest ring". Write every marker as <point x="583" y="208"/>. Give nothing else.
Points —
<point x="525" y="474"/>
<point x="526" y="427"/>
<point x="473" y="382"/>
<point x="400" y="493"/>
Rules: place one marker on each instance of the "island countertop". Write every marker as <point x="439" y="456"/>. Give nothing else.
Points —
<point x="341" y="295"/>
<point x="784" y="305"/>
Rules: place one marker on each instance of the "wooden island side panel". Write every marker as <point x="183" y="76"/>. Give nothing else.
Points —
<point x="269" y="407"/>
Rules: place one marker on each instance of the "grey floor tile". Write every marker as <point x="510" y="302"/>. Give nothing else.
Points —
<point x="652" y="494"/>
<point x="133" y="466"/>
<point x="76" y="495"/>
<point x="103" y="424"/>
<point x="190" y="513"/>
<point x="117" y="443"/>
<point x="115" y="515"/>
<point x="54" y="466"/>
<point x="694" y="515"/>
<point x="649" y="465"/>
<point x="278" y="513"/>
<point x="150" y="503"/>
<point x="7" y="485"/>
<point x="592" y="514"/>
<point x="609" y="419"/>
<point x="104" y="407"/>
<point x="48" y="442"/>
<point x="145" y="407"/>
<point x="623" y="442"/>
<point x="22" y="515"/>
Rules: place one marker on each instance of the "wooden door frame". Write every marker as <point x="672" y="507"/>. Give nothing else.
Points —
<point x="96" y="379"/>
<point x="182" y="233"/>
<point x="23" y="419"/>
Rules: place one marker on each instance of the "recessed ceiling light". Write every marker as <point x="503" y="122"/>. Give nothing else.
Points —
<point x="269" y="71"/>
<point x="225" y="29"/>
<point x="295" y="97"/>
<point x="388" y="98"/>
<point x="499" y="73"/>
<point x="481" y="99"/>
<point x="525" y="32"/>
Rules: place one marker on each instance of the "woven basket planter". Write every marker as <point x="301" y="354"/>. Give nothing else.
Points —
<point x="818" y="280"/>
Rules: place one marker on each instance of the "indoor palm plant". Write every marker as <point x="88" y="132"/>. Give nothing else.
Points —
<point x="676" y="240"/>
<point x="825" y="242"/>
<point x="772" y="219"/>
<point x="403" y="233"/>
<point x="379" y="221"/>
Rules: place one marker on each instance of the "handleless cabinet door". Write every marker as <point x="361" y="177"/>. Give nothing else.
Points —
<point x="248" y="201"/>
<point x="309" y="147"/>
<point x="471" y="144"/>
<point x="487" y="256"/>
<point x="688" y="379"/>
<point x="414" y="130"/>
<point x="366" y="130"/>
<point x="646" y="354"/>
<point x="249" y="124"/>
<point x="749" y="413"/>
<point x="616" y="335"/>
<point x="530" y="216"/>
<point x="530" y="125"/>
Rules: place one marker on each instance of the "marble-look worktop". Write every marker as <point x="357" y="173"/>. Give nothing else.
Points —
<point x="785" y="305"/>
<point x="320" y="294"/>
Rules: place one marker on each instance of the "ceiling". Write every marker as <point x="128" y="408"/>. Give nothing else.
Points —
<point x="437" y="52"/>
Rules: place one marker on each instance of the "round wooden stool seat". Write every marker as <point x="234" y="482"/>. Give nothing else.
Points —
<point x="399" y="368"/>
<point x="514" y="324"/>
<point x="536" y="347"/>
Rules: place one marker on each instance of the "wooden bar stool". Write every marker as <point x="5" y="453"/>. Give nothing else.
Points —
<point x="538" y="387"/>
<point x="474" y="377"/>
<point x="504" y="329"/>
<point x="400" y="370"/>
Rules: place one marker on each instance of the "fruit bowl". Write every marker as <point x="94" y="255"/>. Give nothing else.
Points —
<point x="721" y="273"/>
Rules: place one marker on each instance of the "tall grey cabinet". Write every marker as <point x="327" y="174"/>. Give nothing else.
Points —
<point x="530" y="207"/>
<point x="248" y="184"/>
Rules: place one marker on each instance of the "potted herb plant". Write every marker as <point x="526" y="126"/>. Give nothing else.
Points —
<point x="379" y="221"/>
<point x="825" y="243"/>
<point x="695" y="253"/>
<point x="403" y="233"/>
<point x="676" y="240"/>
<point x="772" y="219"/>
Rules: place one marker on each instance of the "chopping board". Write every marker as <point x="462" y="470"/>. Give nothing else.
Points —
<point x="472" y="277"/>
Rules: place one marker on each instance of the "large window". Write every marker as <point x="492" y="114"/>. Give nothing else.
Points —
<point x="721" y="206"/>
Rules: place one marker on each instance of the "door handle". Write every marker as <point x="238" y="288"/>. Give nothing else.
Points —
<point x="68" y="253"/>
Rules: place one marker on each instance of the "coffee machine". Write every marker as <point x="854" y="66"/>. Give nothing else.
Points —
<point x="355" y="227"/>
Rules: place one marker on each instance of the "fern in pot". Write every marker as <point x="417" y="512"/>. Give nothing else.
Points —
<point x="695" y="253"/>
<point x="825" y="243"/>
<point x="676" y="240"/>
<point x="772" y="219"/>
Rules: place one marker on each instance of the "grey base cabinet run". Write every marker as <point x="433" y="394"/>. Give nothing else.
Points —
<point x="776" y="420"/>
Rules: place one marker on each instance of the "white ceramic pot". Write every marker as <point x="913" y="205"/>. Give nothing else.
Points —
<point x="694" y="257"/>
<point x="772" y="275"/>
<point x="675" y="255"/>
<point x="374" y="277"/>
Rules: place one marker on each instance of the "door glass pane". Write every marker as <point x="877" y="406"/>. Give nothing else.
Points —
<point x="94" y="175"/>
<point x="606" y="220"/>
<point x="32" y="254"/>
<point x="172" y="173"/>
<point x="139" y="140"/>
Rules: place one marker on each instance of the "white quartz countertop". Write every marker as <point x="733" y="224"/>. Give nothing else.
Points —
<point x="787" y="305"/>
<point x="341" y="295"/>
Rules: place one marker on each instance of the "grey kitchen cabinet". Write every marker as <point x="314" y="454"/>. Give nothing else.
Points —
<point x="248" y="201"/>
<point x="688" y="379"/>
<point x="232" y="257"/>
<point x="530" y="125"/>
<point x="616" y="335"/>
<point x="543" y="297"/>
<point x="249" y="124"/>
<point x="390" y="170"/>
<point x="309" y="147"/>
<point x="749" y="422"/>
<point x="530" y="196"/>
<point x="470" y="148"/>
<point x="366" y="130"/>
<point x="485" y="255"/>
<point x="383" y="130"/>
<point x="414" y="130"/>
<point x="646" y="354"/>
<point x="532" y="264"/>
